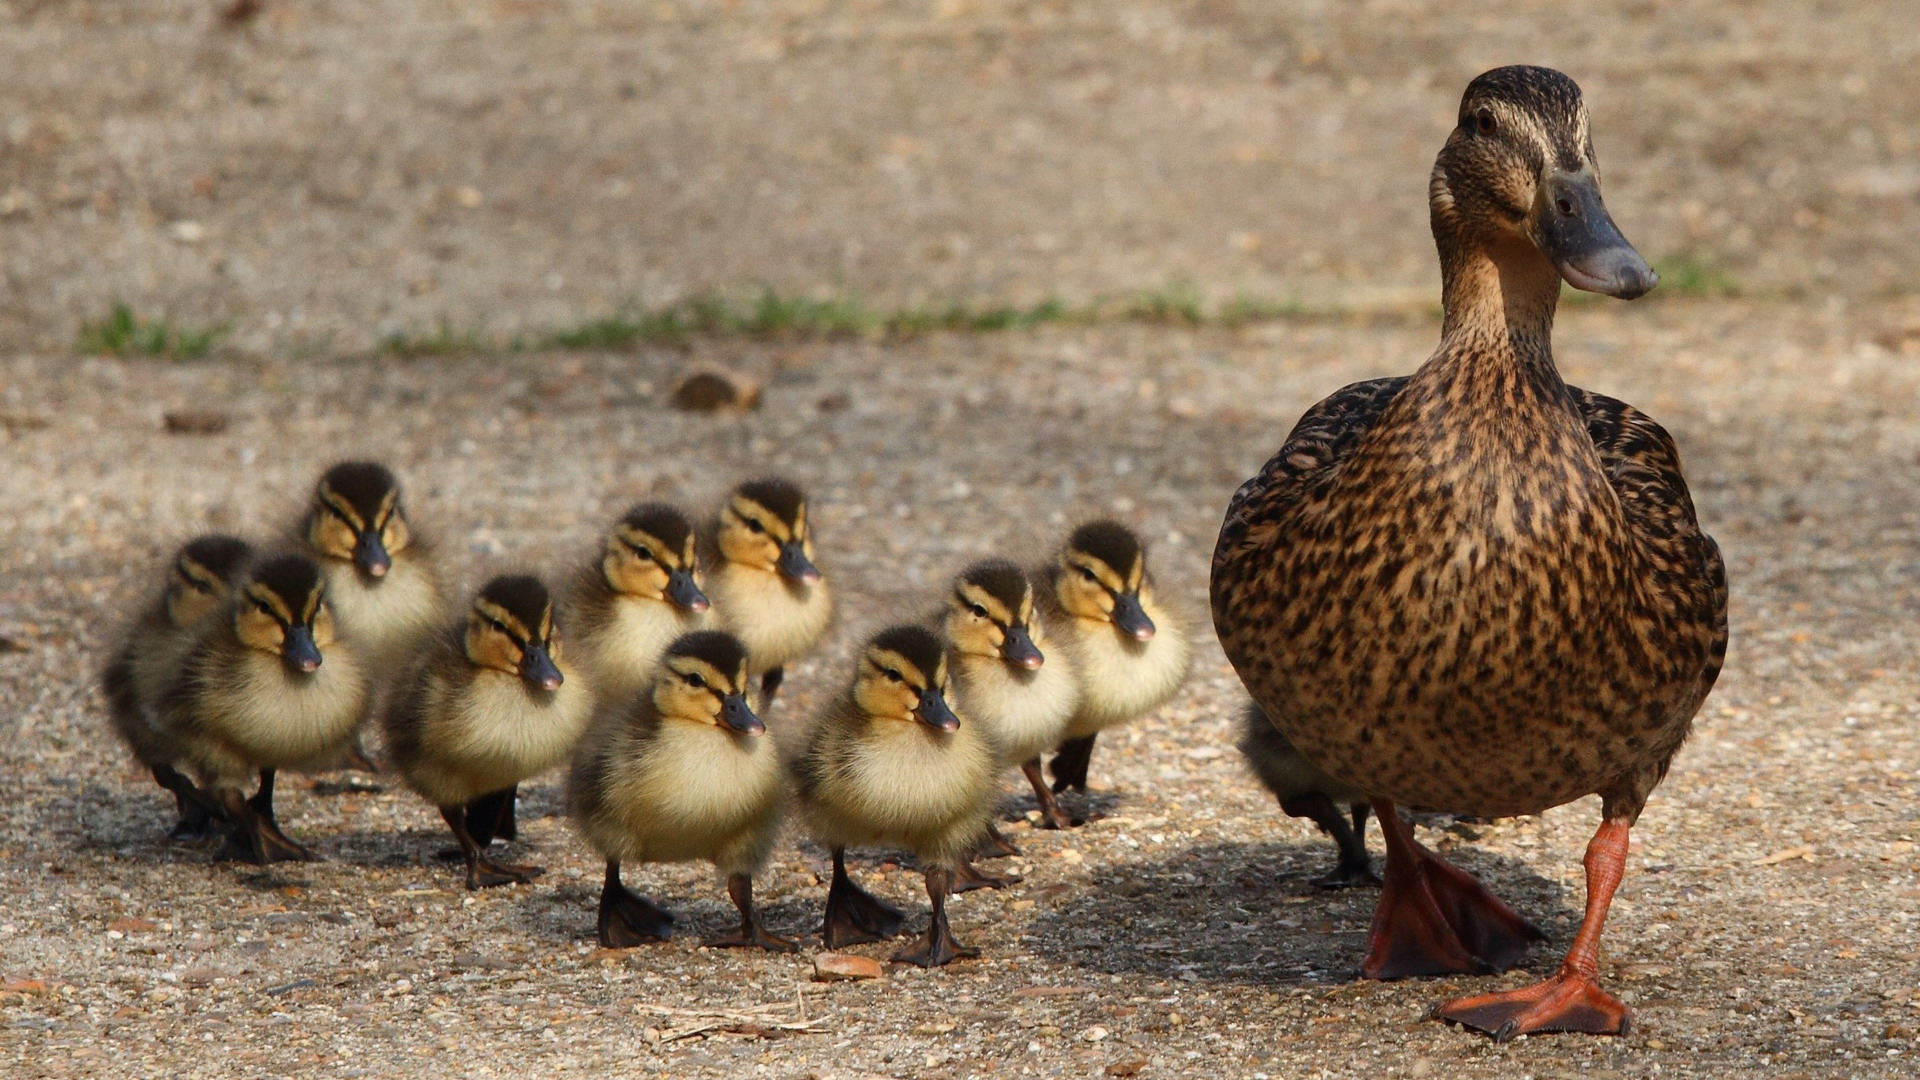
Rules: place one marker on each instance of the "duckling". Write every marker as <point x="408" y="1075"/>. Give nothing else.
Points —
<point x="382" y="580"/>
<point x="681" y="771"/>
<point x="1129" y="654"/>
<point x="1009" y="679"/>
<point x="199" y="580"/>
<point x="642" y="594"/>
<point x="1477" y="589"/>
<point x="1307" y="792"/>
<point x="765" y="584"/>
<point x="267" y="686"/>
<point x="892" y="764"/>
<point x="487" y="705"/>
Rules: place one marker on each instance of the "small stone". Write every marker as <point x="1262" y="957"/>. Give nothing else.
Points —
<point x="196" y="421"/>
<point x="716" y="390"/>
<point x="1127" y="1068"/>
<point x="127" y="924"/>
<point x="188" y="232"/>
<point x="838" y="967"/>
<point x="1094" y="1034"/>
<point x="15" y="985"/>
<point x="935" y="1029"/>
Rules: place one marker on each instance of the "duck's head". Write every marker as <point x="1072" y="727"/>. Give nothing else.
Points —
<point x="990" y="614"/>
<point x="510" y="629"/>
<point x="1102" y="577"/>
<point x="356" y="516"/>
<point x="283" y="610"/>
<point x="1519" y="168"/>
<point x="764" y="527"/>
<point x="651" y="554"/>
<point x="903" y="676"/>
<point x="203" y="575"/>
<point x="703" y="679"/>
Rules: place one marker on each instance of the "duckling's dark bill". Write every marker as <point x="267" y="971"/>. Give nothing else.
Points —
<point x="299" y="650"/>
<point x="1579" y="237"/>
<point x="795" y="564"/>
<point x="933" y="712"/>
<point x="738" y="716"/>
<point x="1131" y="618"/>
<point x="370" y="554"/>
<point x="1019" y="650"/>
<point x="685" y="594"/>
<point x="537" y="667"/>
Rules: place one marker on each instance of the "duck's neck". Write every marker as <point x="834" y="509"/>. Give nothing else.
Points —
<point x="1499" y="296"/>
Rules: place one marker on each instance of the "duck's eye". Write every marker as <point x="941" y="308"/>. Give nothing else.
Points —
<point x="496" y="626"/>
<point x="644" y="552"/>
<point x="892" y="675"/>
<point x="1087" y="572"/>
<point x="263" y="607"/>
<point x="694" y="680"/>
<point x="1484" y="123"/>
<point x="755" y="527"/>
<point x="978" y="611"/>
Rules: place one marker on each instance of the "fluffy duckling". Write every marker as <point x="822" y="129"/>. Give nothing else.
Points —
<point x="268" y="686"/>
<point x="489" y="704"/>
<point x="382" y="581"/>
<point x="1306" y="791"/>
<point x="891" y="764"/>
<point x="642" y="594"/>
<point x="199" y="579"/>
<point x="1128" y="653"/>
<point x="765" y="585"/>
<point x="682" y="771"/>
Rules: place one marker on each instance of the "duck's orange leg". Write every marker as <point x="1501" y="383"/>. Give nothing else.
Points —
<point x="1435" y="918"/>
<point x="1572" y="1000"/>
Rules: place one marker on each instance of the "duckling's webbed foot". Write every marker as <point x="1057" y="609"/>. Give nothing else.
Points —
<point x="1070" y="764"/>
<point x="938" y="947"/>
<point x="1354" y="867"/>
<point x="256" y="840"/>
<point x="1051" y="814"/>
<point x="199" y="813"/>
<point x="1436" y="919"/>
<point x="855" y="915"/>
<point x="482" y="872"/>
<point x="994" y="845"/>
<point x="752" y="932"/>
<point x="628" y="919"/>
<point x="968" y="877"/>
<point x="1572" y="999"/>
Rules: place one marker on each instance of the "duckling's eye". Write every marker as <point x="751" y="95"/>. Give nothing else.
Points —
<point x="978" y="611"/>
<point x="1087" y="572"/>
<point x="263" y="607"/>
<point x="694" y="680"/>
<point x="497" y="626"/>
<point x="755" y="527"/>
<point x="643" y="551"/>
<point x="1484" y="122"/>
<point x="892" y="675"/>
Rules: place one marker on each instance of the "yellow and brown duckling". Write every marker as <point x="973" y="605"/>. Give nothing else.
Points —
<point x="1304" y="790"/>
<point x="382" y="580"/>
<point x="683" y="770"/>
<point x="1478" y="589"/>
<point x="488" y="705"/>
<point x="268" y="686"/>
<point x="890" y="764"/>
<point x="200" y="579"/>
<point x="1129" y="654"/>
<point x="764" y="583"/>
<point x="639" y="596"/>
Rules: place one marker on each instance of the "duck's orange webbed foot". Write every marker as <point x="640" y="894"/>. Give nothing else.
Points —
<point x="1435" y="918"/>
<point x="1569" y="1001"/>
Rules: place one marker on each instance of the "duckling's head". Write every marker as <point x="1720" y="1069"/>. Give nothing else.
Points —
<point x="651" y="554"/>
<point x="903" y="676"/>
<point x="990" y="614"/>
<point x="1102" y="577"/>
<point x="510" y="629"/>
<point x="764" y="527"/>
<point x="703" y="679"/>
<point x="357" y="516"/>
<point x="1519" y="167"/>
<point x="203" y="574"/>
<point x="283" y="610"/>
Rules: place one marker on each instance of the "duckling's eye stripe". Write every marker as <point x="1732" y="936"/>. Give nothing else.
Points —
<point x="341" y="509"/>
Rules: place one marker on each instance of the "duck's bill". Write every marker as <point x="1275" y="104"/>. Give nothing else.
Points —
<point x="370" y="555"/>
<point x="794" y="564"/>
<point x="1131" y="618"/>
<point x="685" y="594"/>
<point x="1579" y="238"/>
<point x="538" y="669"/>
<point x="934" y="713"/>
<point x="738" y="717"/>
<point x="298" y="649"/>
<point x="1019" y="650"/>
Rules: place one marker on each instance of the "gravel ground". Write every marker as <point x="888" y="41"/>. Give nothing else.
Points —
<point x="1767" y="921"/>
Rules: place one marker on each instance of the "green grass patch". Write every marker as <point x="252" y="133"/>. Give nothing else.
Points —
<point x="443" y="340"/>
<point x="126" y="334"/>
<point x="1689" y="275"/>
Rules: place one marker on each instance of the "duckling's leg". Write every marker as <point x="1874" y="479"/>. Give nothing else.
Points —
<point x="262" y="805"/>
<point x="770" y="684"/>
<point x="1435" y="918"/>
<point x="483" y="872"/>
<point x="627" y="918"/>
<point x="995" y="845"/>
<point x="752" y="932"/>
<point x="855" y="915"/>
<point x="1070" y="763"/>
<point x="1354" y="868"/>
<point x="198" y="811"/>
<point x="968" y="877"/>
<point x="358" y="760"/>
<point x="491" y="816"/>
<point x="1051" y="815"/>
<point x="937" y="948"/>
<point x="252" y="838"/>
<point x="1572" y="1000"/>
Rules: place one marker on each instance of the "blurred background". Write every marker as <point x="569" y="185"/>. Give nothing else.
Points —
<point x="330" y="174"/>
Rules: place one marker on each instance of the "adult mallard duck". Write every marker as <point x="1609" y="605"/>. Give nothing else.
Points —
<point x="1479" y="589"/>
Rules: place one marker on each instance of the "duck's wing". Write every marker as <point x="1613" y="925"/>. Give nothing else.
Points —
<point x="1314" y="450"/>
<point x="1688" y="576"/>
